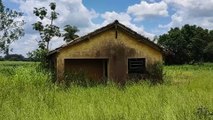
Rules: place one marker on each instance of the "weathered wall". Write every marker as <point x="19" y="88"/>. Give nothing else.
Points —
<point x="117" y="51"/>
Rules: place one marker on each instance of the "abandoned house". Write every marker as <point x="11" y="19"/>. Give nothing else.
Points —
<point x="113" y="52"/>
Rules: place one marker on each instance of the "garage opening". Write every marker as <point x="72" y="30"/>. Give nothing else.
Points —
<point x="95" y="69"/>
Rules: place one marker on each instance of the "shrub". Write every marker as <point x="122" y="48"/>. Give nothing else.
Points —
<point x="155" y="72"/>
<point x="204" y="113"/>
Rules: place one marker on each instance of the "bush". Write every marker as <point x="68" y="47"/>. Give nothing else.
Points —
<point x="155" y="72"/>
<point x="204" y="113"/>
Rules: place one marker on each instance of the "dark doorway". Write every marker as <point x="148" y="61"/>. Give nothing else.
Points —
<point x="95" y="69"/>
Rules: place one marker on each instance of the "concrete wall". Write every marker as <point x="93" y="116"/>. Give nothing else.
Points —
<point x="116" y="50"/>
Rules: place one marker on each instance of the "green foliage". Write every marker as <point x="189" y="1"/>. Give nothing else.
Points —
<point x="27" y="94"/>
<point x="79" y="79"/>
<point x="37" y="55"/>
<point x="204" y="113"/>
<point x="209" y="52"/>
<point x="70" y="33"/>
<point x="76" y="78"/>
<point x="155" y="72"/>
<point x="14" y="57"/>
<point x="47" y="31"/>
<point x="40" y="12"/>
<point x="1" y="58"/>
<point x="185" y="45"/>
<point x="11" y="28"/>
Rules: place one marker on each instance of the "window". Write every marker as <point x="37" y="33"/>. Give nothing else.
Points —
<point x="136" y="66"/>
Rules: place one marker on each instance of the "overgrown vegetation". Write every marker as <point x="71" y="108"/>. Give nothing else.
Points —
<point x="26" y="93"/>
<point x="155" y="72"/>
<point x="79" y="79"/>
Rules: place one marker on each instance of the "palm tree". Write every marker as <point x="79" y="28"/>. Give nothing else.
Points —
<point x="70" y="33"/>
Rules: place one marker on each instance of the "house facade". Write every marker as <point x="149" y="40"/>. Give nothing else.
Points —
<point x="111" y="52"/>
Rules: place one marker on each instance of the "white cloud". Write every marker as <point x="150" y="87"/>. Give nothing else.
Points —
<point x="191" y="12"/>
<point x="71" y="12"/>
<point x="111" y="16"/>
<point x="125" y="19"/>
<point x="26" y="44"/>
<point x="145" y="9"/>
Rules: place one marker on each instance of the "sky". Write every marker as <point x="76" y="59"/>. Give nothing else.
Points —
<point x="147" y="17"/>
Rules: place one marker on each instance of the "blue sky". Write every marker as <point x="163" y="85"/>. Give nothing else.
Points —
<point x="147" y="17"/>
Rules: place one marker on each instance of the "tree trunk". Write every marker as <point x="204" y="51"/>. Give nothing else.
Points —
<point x="48" y="45"/>
<point x="7" y="51"/>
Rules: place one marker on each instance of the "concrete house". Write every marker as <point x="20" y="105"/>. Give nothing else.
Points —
<point x="113" y="52"/>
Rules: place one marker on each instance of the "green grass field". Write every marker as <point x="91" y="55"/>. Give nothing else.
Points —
<point x="26" y="94"/>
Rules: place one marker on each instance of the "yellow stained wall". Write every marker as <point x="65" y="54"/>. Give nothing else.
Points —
<point x="117" y="51"/>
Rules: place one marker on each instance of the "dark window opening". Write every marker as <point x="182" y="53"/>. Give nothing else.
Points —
<point x="136" y="66"/>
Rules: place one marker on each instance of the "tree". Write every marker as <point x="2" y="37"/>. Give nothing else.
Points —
<point x="185" y="45"/>
<point x="48" y="31"/>
<point x="11" y="28"/>
<point x="70" y="33"/>
<point x="209" y="52"/>
<point x="1" y="58"/>
<point x="14" y="57"/>
<point x="173" y="42"/>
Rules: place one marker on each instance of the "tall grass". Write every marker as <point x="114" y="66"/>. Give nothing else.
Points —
<point x="27" y="94"/>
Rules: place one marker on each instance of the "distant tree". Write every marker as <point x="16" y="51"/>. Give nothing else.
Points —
<point x="14" y="57"/>
<point x="11" y="28"/>
<point x="70" y="33"/>
<point x="209" y="52"/>
<point x="185" y="45"/>
<point x="1" y="58"/>
<point x="47" y="31"/>
<point x="37" y="55"/>
<point x="174" y="43"/>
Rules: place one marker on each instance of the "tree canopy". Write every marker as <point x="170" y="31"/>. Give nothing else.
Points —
<point x="47" y="31"/>
<point x="11" y="27"/>
<point x="186" y="45"/>
<point x="70" y="33"/>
